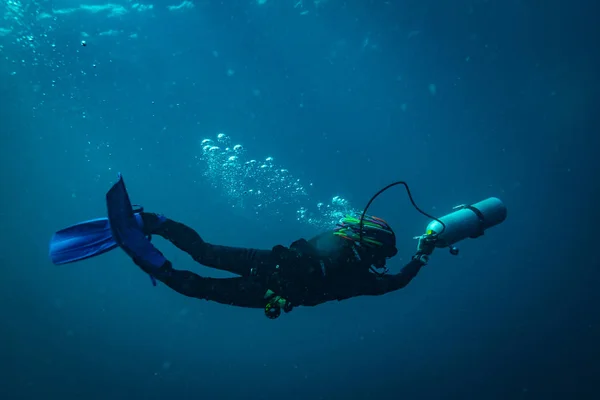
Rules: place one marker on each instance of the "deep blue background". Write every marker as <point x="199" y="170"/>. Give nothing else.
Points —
<point x="514" y="115"/>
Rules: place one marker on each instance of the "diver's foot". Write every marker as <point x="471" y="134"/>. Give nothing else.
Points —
<point x="151" y="222"/>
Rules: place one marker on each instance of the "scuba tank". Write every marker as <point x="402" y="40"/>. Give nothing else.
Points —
<point x="466" y="221"/>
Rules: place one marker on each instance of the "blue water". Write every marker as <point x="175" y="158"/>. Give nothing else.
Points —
<point x="463" y="99"/>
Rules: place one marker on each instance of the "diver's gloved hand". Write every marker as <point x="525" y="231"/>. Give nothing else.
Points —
<point x="426" y="244"/>
<point x="425" y="247"/>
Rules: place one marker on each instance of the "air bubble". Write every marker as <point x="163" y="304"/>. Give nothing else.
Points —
<point x="265" y="189"/>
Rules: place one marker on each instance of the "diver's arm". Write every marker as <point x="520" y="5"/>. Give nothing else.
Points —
<point x="390" y="283"/>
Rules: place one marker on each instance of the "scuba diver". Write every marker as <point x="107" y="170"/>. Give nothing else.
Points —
<point x="347" y="261"/>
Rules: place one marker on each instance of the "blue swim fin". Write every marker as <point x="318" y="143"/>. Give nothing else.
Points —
<point x="80" y="241"/>
<point x="84" y="240"/>
<point x="128" y="234"/>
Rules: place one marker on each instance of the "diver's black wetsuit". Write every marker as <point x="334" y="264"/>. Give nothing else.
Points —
<point x="301" y="274"/>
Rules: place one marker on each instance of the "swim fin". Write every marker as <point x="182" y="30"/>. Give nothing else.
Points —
<point x="127" y="233"/>
<point x="84" y="240"/>
<point x="80" y="241"/>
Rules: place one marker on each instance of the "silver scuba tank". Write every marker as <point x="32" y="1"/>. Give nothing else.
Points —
<point x="467" y="221"/>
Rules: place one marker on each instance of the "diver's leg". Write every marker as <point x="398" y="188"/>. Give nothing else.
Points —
<point x="240" y="261"/>
<point x="239" y="292"/>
